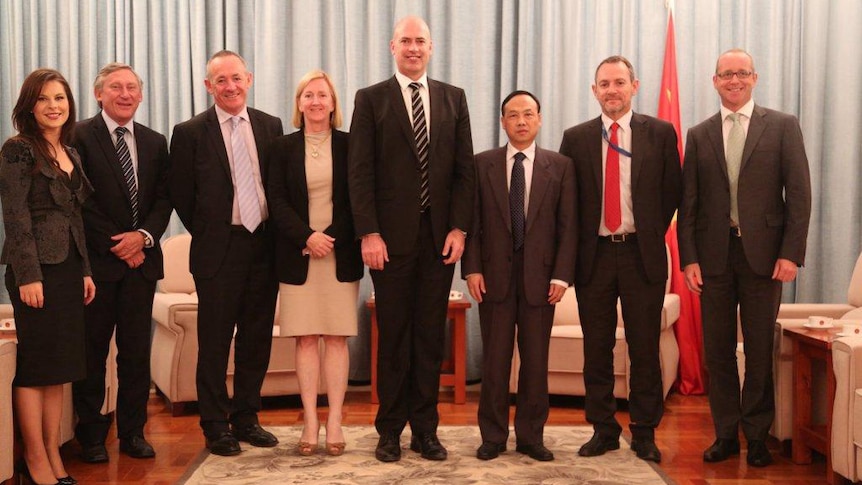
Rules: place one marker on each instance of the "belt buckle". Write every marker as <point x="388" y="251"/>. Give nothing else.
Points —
<point x="618" y="238"/>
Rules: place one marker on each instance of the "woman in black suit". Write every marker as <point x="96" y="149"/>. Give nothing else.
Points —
<point x="42" y="188"/>
<point x="317" y="255"/>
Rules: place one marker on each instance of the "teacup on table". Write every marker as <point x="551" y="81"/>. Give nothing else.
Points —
<point x="851" y="330"/>
<point x="819" y="322"/>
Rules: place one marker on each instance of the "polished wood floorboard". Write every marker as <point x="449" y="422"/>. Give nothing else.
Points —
<point x="685" y="432"/>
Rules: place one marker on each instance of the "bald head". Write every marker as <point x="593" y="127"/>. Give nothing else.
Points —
<point x="411" y="46"/>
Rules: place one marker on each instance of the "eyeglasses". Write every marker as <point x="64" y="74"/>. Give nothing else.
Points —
<point x="728" y="75"/>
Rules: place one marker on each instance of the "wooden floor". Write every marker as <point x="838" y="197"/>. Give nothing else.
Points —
<point x="685" y="432"/>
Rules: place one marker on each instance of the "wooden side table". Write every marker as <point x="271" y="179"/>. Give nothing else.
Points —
<point x="454" y="371"/>
<point x="811" y="345"/>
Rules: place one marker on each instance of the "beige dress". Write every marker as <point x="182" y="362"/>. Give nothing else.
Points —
<point x="322" y="305"/>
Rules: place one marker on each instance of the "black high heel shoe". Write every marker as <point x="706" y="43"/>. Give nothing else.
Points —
<point x="25" y="478"/>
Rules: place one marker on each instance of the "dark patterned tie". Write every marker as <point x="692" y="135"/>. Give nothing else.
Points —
<point x="517" y="189"/>
<point x="128" y="171"/>
<point x="420" y="132"/>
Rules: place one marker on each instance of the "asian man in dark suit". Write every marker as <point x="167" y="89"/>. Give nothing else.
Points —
<point x="520" y="258"/>
<point x="743" y="226"/>
<point x="628" y="175"/>
<point x="127" y="164"/>
<point x="217" y="179"/>
<point x="411" y="191"/>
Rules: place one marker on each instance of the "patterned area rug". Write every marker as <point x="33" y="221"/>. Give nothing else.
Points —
<point x="358" y="466"/>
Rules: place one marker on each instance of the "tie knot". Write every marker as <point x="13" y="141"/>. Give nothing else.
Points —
<point x="614" y="127"/>
<point x="734" y="117"/>
<point x="415" y="86"/>
<point x="235" y="121"/>
<point x="520" y="157"/>
<point x="121" y="131"/>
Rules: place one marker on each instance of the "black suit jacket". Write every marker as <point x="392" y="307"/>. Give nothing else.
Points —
<point x="287" y="193"/>
<point x="109" y="211"/>
<point x="656" y="186"/>
<point x="383" y="165"/>
<point x="201" y="186"/>
<point x="774" y="194"/>
<point x="550" y="237"/>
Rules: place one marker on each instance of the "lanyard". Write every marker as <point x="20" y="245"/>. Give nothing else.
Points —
<point x="615" y="147"/>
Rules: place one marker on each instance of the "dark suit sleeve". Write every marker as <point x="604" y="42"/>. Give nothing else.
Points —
<point x="181" y="176"/>
<point x="360" y="171"/>
<point x="567" y="226"/>
<point x="16" y="177"/>
<point x="797" y="193"/>
<point x="672" y="183"/>
<point x="96" y="221"/>
<point x="160" y="212"/>
<point x="279" y="190"/>
<point x="471" y="262"/>
<point x="342" y="219"/>
<point x="464" y="184"/>
<point x="688" y="209"/>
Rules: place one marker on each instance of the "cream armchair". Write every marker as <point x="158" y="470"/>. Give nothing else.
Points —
<point x="847" y="408"/>
<point x="566" y="353"/>
<point x="174" y="355"/>
<point x="7" y="373"/>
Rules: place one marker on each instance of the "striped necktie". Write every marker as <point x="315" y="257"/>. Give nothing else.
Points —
<point x="420" y="132"/>
<point x="246" y="192"/>
<point x="733" y="154"/>
<point x="128" y="171"/>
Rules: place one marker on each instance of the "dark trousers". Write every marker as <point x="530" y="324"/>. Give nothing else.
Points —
<point x="499" y="321"/>
<point x="412" y="293"/>
<point x="241" y="295"/>
<point x="618" y="272"/>
<point x="758" y="298"/>
<point x="127" y="306"/>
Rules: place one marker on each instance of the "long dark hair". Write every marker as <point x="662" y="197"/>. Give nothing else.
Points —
<point x="24" y="121"/>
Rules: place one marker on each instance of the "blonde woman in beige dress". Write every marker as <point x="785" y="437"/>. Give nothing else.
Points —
<point x="317" y="255"/>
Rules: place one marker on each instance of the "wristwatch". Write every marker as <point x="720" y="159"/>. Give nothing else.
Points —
<point x="148" y="241"/>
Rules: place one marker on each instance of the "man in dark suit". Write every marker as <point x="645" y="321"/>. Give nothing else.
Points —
<point x="127" y="164"/>
<point x="217" y="179"/>
<point x="628" y="174"/>
<point x="411" y="191"/>
<point x="743" y="225"/>
<point x="520" y="258"/>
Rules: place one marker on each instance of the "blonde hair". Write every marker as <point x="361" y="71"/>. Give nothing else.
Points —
<point x="334" y="117"/>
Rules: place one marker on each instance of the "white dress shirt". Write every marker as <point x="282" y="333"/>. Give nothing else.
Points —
<point x="624" y="141"/>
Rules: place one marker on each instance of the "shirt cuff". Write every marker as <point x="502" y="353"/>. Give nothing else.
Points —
<point x="148" y="238"/>
<point x="562" y="283"/>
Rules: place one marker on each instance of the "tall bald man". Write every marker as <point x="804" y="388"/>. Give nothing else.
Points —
<point x="411" y="189"/>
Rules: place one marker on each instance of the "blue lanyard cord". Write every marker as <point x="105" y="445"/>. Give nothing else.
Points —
<point x="616" y="148"/>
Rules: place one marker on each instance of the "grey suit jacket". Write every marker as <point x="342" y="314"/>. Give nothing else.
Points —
<point x="774" y="194"/>
<point x="655" y="189"/>
<point x="383" y="160"/>
<point x="39" y="211"/>
<point x="550" y="237"/>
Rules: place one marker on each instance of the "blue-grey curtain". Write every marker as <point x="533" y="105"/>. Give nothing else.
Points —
<point x="806" y="53"/>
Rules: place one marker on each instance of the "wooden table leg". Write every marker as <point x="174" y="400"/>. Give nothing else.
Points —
<point x="801" y="407"/>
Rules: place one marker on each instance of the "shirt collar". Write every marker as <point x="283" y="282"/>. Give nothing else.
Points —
<point x="530" y="151"/>
<point x="113" y="125"/>
<point x="625" y="122"/>
<point x="225" y="116"/>
<point x="405" y="81"/>
<point x="747" y="110"/>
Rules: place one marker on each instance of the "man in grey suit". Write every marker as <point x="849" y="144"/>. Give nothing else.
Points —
<point x="410" y="173"/>
<point x="520" y="258"/>
<point x="628" y="176"/>
<point x="217" y="178"/>
<point x="743" y="224"/>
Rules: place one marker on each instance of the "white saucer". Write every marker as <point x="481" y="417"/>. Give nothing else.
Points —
<point x="821" y="327"/>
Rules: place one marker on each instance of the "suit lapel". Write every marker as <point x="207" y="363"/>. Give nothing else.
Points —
<point x="296" y="158"/>
<point x="638" y="127"/>
<point x="213" y="130"/>
<point x="538" y="187"/>
<point x="103" y="138"/>
<point x="755" y="128"/>
<point x="145" y="168"/>
<point x="594" y="153"/>
<point x="436" y="102"/>
<point x="397" y="101"/>
<point x="499" y="186"/>
<point x="716" y="139"/>
<point x="261" y="139"/>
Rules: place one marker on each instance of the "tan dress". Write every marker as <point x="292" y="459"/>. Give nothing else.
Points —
<point x="322" y="305"/>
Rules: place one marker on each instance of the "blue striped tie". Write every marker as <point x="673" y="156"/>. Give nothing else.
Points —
<point x="128" y="171"/>
<point x="246" y="192"/>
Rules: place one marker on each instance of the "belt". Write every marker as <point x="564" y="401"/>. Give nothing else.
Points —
<point x="241" y="228"/>
<point x="620" y="238"/>
<point x="735" y="231"/>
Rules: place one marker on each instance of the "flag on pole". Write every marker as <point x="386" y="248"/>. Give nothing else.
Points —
<point x="689" y="334"/>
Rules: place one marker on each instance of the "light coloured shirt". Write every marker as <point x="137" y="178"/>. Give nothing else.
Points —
<point x="624" y="141"/>
<point x="530" y="152"/>
<point x="224" y="120"/>
<point x="407" y="93"/>
<point x="745" y="120"/>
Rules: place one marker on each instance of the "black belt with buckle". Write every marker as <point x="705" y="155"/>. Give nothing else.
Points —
<point x="620" y="238"/>
<point x="240" y="228"/>
<point x="735" y="231"/>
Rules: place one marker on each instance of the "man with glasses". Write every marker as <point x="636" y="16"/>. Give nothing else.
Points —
<point x="743" y="224"/>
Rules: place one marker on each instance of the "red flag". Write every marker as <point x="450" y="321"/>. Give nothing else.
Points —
<point x="689" y="335"/>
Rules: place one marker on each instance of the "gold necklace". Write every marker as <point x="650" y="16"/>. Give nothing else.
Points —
<point x="315" y="148"/>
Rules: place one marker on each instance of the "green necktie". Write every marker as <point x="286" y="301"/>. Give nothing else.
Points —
<point x="733" y="153"/>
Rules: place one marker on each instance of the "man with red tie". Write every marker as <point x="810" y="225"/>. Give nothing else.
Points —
<point x="628" y="186"/>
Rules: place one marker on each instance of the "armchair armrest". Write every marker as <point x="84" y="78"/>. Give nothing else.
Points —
<point x="166" y="306"/>
<point x="847" y="365"/>
<point x="670" y="310"/>
<point x="805" y="310"/>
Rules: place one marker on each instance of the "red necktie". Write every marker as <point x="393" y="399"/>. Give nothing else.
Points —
<point x="613" y="214"/>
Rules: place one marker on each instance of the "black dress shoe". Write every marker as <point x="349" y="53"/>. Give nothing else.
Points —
<point x="96" y="453"/>
<point x="536" y="451"/>
<point x="224" y="444"/>
<point x="137" y="447"/>
<point x="721" y="450"/>
<point x="490" y="450"/>
<point x="599" y="444"/>
<point x="758" y="453"/>
<point x="388" y="447"/>
<point x="429" y="446"/>
<point x="254" y="435"/>
<point x="646" y="450"/>
<point x="67" y="480"/>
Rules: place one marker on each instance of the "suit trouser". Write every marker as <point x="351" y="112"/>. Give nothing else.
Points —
<point x="242" y="294"/>
<point x="498" y="321"/>
<point x="126" y="304"/>
<point x="412" y="293"/>
<point x="618" y="272"/>
<point x="758" y="298"/>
